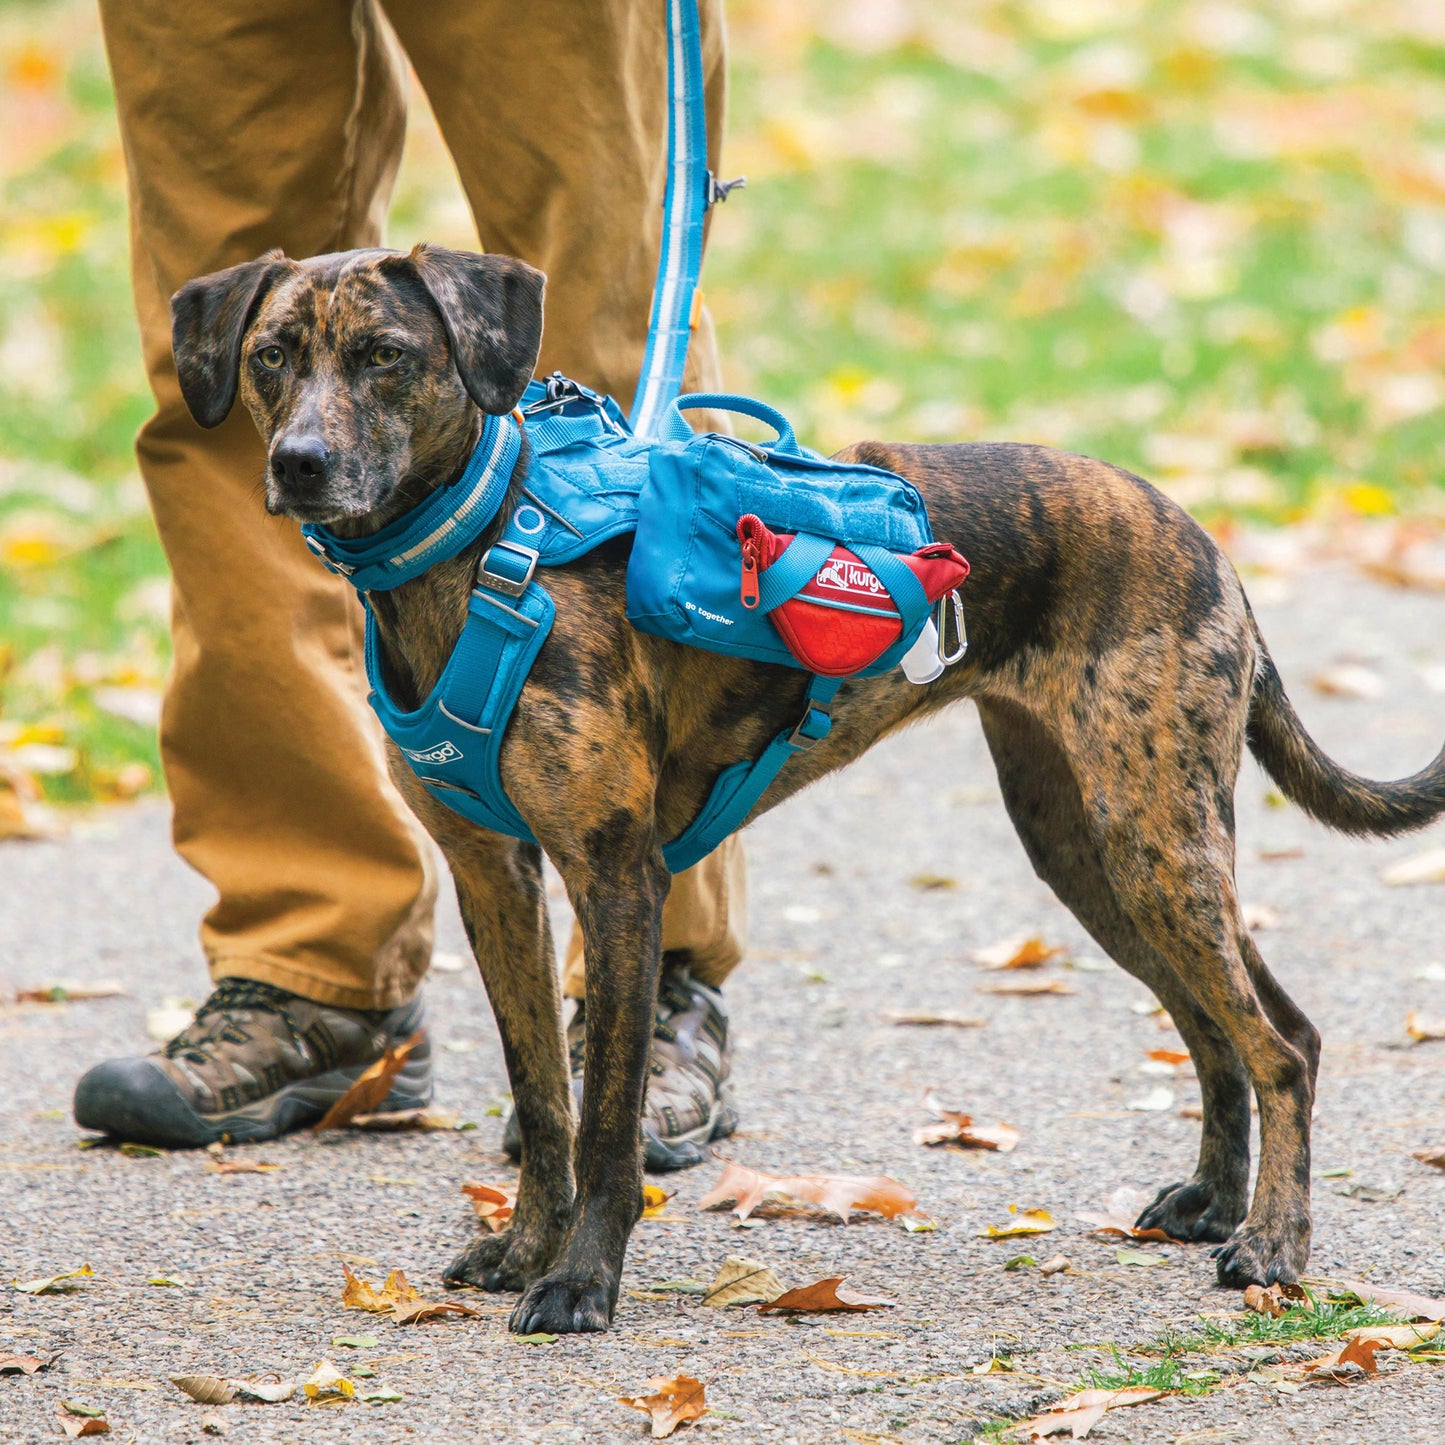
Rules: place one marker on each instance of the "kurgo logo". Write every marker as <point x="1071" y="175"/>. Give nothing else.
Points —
<point x="841" y="575"/>
<point x="448" y="752"/>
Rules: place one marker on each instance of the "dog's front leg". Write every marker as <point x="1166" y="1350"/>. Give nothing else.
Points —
<point x="618" y="892"/>
<point x="504" y="907"/>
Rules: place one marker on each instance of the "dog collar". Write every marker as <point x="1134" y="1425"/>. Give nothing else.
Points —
<point x="439" y="527"/>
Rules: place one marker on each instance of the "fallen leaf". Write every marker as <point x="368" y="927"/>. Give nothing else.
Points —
<point x="423" y="1121"/>
<point x="271" y="1391"/>
<point x="494" y="1206"/>
<point x="448" y="962"/>
<point x="170" y="1017"/>
<point x="75" y="1424"/>
<point x="540" y="1338"/>
<point x="24" y="1364"/>
<point x="839" y="1194"/>
<point x="56" y="1284"/>
<point x="1154" y="1102"/>
<point x="67" y="991"/>
<point x="1434" y="1157"/>
<point x="916" y="1223"/>
<point x="1350" y="680"/>
<point x="327" y="1383"/>
<point x="371" y="1088"/>
<point x="1027" y="988"/>
<point x="1020" y="1261"/>
<point x="673" y="1402"/>
<point x="823" y="1297"/>
<point x="206" y="1389"/>
<point x="1057" y="1265"/>
<point x="1117" y="1217"/>
<point x="1424" y="1030"/>
<point x="1021" y="951"/>
<point x="931" y="1020"/>
<point x="1360" y="1352"/>
<point x="214" y="1424"/>
<point x="1078" y="1414"/>
<point x="132" y="1150"/>
<point x="1264" y="1301"/>
<point x="1423" y="868"/>
<point x="1028" y="1221"/>
<point x="166" y="1281"/>
<point x="933" y="882"/>
<point x="742" y="1281"/>
<point x="1412" y="1306"/>
<point x="415" y="1314"/>
<point x="354" y="1342"/>
<point x="379" y="1397"/>
<point x="1169" y="1056"/>
<point x="1395" y="1337"/>
<point x="1139" y="1257"/>
<point x="359" y="1294"/>
<point x="1280" y="855"/>
<point x="958" y="1131"/>
<point x="654" y="1200"/>
<point x="241" y="1166"/>
<point x="79" y="1407"/>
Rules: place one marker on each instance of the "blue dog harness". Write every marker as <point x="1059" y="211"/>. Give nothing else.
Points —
<point x="588" y="466"/>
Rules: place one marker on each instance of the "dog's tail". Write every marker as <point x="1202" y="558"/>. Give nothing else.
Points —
<point x="1326" y="791"/>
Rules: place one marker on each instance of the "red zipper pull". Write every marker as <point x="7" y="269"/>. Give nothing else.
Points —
<point x="751" y="594"/>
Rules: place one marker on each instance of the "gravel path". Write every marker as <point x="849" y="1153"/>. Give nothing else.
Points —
<point x="840" y="934"/>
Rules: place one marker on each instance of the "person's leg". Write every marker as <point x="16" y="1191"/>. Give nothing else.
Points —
<point x="556" y="117"/>
<point x="247" y="126"/>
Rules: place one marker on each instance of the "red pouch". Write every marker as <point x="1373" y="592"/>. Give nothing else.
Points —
<point x="844" y="619"/>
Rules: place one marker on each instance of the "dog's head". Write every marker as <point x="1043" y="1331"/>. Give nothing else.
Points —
<point x="362" y="370"/>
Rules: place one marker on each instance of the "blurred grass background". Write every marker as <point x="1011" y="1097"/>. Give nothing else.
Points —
<point x="1203" y="239"/>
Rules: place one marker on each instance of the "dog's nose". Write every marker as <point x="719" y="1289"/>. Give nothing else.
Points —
<point x="300" y="461"/>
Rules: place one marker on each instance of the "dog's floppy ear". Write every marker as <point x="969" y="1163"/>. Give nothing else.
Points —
<point x="491" y="307"/>
<point x="209" y="317"/>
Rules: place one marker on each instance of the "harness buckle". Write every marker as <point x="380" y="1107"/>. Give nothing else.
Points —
<point x="815" y="724"/>
<point x="317" y="548"/>
<point x="505" y="582"/>
<point x="717" y="190"/>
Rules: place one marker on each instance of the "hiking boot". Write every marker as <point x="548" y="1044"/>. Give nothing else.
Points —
<point x="689" y="1092"/>
<point x="255" y="1062"/>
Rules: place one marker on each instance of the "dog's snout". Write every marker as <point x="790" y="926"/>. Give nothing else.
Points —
<point x="300" y="461"/>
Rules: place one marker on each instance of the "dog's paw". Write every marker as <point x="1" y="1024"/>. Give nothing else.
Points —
<point x="506" y="1261"/>
<point x="1194" y="1211"/>
<point x="562" y="1304"/>
<point x="1259" y="1256"/>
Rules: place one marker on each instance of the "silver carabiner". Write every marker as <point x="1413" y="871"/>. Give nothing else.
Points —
<point x="940" y="621"/>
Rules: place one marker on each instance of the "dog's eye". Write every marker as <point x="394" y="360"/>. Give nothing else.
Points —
<point x="385" y="356"/>
<point x="271" y="357"/>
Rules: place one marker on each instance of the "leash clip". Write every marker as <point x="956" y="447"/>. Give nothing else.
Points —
<point x="717" y="190"/>
<point x="317" y="548"/>
<point x="503" y="582"/>
<point x="960" y="631"/>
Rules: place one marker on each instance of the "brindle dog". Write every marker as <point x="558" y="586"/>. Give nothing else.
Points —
<point x="1115" y="664"/>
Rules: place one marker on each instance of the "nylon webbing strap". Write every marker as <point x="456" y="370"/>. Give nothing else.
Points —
<point x="684" y="205"/>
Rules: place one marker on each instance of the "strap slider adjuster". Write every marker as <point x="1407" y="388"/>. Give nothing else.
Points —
<point x="815" y="725"/>
<point x="504" y="581"/>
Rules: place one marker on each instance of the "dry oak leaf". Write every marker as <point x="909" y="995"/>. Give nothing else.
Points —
<point x="218" y="1390"/>
<point x="1402" y="1302"/>
<point x="415" y="1314"/>
<point x="1027" y="1221"/>
<point x="824" y="1297"/>
<point x="839" y="1194"/>
<point x="220" y="1165"/>
<point x="673" y="1402"/>
<point x="327" y="1383"/>
<point x="1275" y="1300"/>
<point x="742" y="1282"/>
<point x="424" y="1121"/>
<point x="1433" y="1157"/>
<point x="396" y="1292"/>
<point x="1028" y="988"/>
<point x="366" y="1094"/>
<point x="1359" y="1352"/>
<point x="24" y="1364"/>
<point x="958" y="1130"/>
<point x="1424" y="1030"/>
<point x="1394" y="1337"/>
<point x="1021" y="951"/>
<point x="494" y="1206"/>
<point x="56" y="1284"/>
<point x="1080" y="1413"/>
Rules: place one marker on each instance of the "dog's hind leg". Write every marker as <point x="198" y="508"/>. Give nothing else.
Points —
<point x="1156" y="783"/>
<point x="504" y="907"/>
<point x="1042" y="798"/>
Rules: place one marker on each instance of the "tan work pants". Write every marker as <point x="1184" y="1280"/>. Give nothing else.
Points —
<point x="259" y="123"/>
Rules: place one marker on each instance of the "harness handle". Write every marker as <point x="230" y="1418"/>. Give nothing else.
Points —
<point x="676" y="429"/>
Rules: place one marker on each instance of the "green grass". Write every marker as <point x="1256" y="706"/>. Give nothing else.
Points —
<point x="1321" y="1319"/>
<point x="1206" y="242"/>
<point x="1167" y="1375"/>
